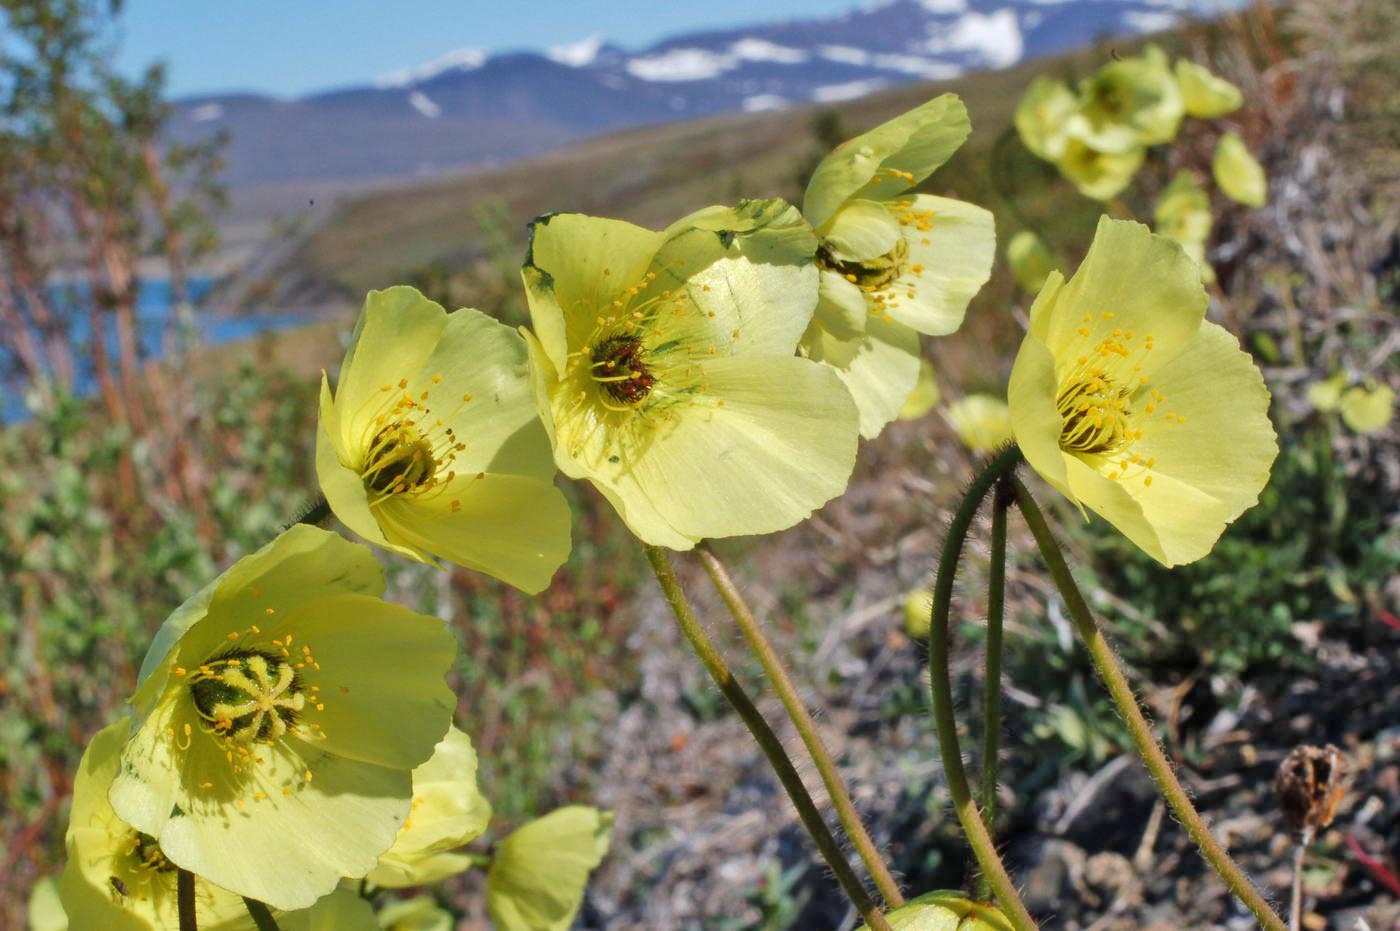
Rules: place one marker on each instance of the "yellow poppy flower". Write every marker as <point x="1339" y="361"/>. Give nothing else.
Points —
<point x="1183" y="215"/>
<point x="448" y="812"/>
<point x="893" y="264"/>
<point x="945" y="910"/>
<point x="1043" y="117"/>
<point x="1203" y="93"/>
<point x="666" y="375"/>
<point x="1129" y="104"/>
<point x="45" y="909"/>
<point x="1030" y="259"/>
<point x="1326" y="395"/>
<point x="1099" y="175"/>
<point x="119" y="879"/>
<point x="1367" y="409"/>
<point x="983" y="422"/>
<point x="917" y="608"/>
<point x="277" y="720"/>
<point x="417" y="914"/>
<point x="539" y="873"/>
<point x="432" y="445"/>
<point x="1238" y="174"/>
<point x="1129" y="403"/>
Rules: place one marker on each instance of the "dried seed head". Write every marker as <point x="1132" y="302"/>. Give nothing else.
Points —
<point x="1311" y="784"/>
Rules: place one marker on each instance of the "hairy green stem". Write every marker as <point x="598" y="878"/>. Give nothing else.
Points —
<point x="1147" y="746"/>
<point x="1002" y="498"/>
<point x="184" y="900"/>
<point x="316" y="512"/>
<point x="802" y="720"/>
<point x="763" y="734"/>
<point x="941" y="691"/>
<point x="262" y="916"/>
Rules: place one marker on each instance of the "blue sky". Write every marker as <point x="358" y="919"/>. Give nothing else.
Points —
<point x="291" y="46"/>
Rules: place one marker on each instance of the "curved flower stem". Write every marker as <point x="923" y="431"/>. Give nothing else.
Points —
<point x="315" y="513"/>
<point x="767" y="740"/>
<point x="1002" y="499"/>
<point x="1147" y="746"/>
<point x="184" y="900"/>
<point x="262" y="917"/>
<point x="941" y="691"/>
<point x="802" y="720"/>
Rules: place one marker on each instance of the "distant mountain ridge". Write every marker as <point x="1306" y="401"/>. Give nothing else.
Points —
<point x="468" y="108"/>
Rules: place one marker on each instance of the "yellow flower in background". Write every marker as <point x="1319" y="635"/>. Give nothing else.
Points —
<point x="342" y="910"/>
<point x="1129" y="104"/>
<point x="893" y="264"/>
<point x="1203" y="93"/>
<point x="666" y="372"/>
<point x="945" y="910"/>
<point x="448" y="811"/>
<point x="1367" y="409"/>
<point x="432" y="446"/>
<point x="1238" y="174"/>
<point x="1326" y="395"/>
<point x="1099" y="175"/>
<point x="417" y="914"/>
<point x="1183" y="215"/>
<point x="1043" y="117"/>
<point x="1129" y="403"/>
<point x="539" y="873"/>
<point x="925" y="395"/>
<point x="119" y="879"/>
<point x="983" y="422"/>
<point x="918" y="613"/>
<point x="278" y="717"/>
<point x="1030" y="259"/>
<point x="45" y="910"/>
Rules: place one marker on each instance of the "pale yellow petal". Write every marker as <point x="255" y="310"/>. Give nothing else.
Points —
<point x="774" y="440"/>
<point x="880" y="369"/>
<point x="914" y="144"/>
<point x="1205" y="94"/>
<point x="1238" y="174"/>
<point x="861" y="229"/>
<point x="512" y="527"/>
<point x="952" y="246"/>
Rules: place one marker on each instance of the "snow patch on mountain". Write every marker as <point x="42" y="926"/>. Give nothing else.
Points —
<point x="462" y="59"/>
<point x="206" y="112"/>
<point x="681" y="64"/>
<point x="944" y="7"/>
<point x="994" y="38"/>
<point x="760" y="103"/>
<point x="699" y="64"/>
<point x="750" y="49"/>
<point x="1149" y="20"/>
<point x="424" y="105"/>
<point x="578" y="54"/>
<point x="844" y="54"/>
<point x="850" y="90"/>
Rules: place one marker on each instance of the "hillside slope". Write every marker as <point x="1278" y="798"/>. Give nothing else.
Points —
<point x="651" y="176"/>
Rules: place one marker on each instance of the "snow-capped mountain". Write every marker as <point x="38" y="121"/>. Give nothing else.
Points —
<point x="469" y="107"/>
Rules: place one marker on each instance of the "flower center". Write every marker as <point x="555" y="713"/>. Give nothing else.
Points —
<point x="410" y="449"/>
<point x="869" y="274"/>
<point x="618" y="366"/>
<point x="1104" y="400"/>
<point x="1096" y="415"/>
<point x="402" y="460"/>
<point x="148" y="855"/>
<point x="248" y="696"/>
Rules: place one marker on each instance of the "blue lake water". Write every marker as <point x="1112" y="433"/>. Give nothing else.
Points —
<point x="153" y="312"/>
